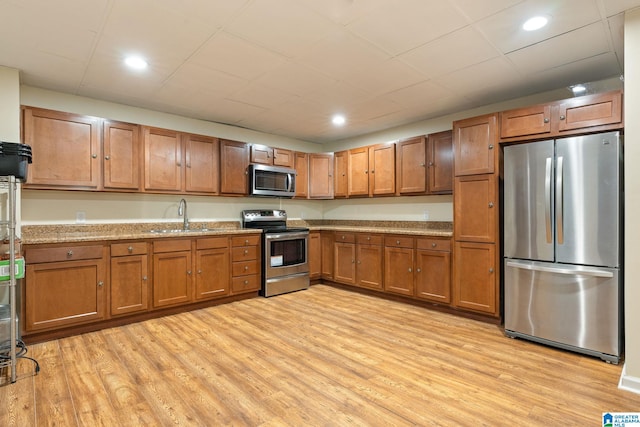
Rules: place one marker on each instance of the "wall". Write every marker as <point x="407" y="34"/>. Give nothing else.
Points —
<point x="631" y="374"/>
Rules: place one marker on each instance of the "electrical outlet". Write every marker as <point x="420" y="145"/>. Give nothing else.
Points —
<point x="81" y="217"/>
<point x="425" y="215"/>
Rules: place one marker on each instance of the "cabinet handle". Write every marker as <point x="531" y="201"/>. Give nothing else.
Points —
<point x="343" y="237"/>
<point x="130" y="249"/>
<point x="189" y="272"/>
<point x="368" y="237"/>
<point x="100" y="283"/>
<point x="246" y="251"/>
<point x="373" y="171"/>
<point x="409" y="269"/>
<point x="546" y="120"/>
<point x="70" y="254"/>
<point x="246" y="267"/>
<point x="359" y="262"/>
<point x="366" y="171"/>
<point x="199" y="271"/>
<point x="106" y="157"/>
<point x="490" y="204"/>
<point x="353" y="261"/>
<point x="491" y="270"/>
<point x="433" y="245"/>
<point x="246" y="242"/>
<point x="94" y="156"/>
<point x="144" y="277"/>
<point x="397" y="242"/>
<point x="490" y="146"/>
<point x="422" y="164"/>
<point x="246" y="282"/>
<point x="430" y="163"/>
<point x="562" y="117"/>
<point x="418" y="270"/>
<point x="179" y="164"/>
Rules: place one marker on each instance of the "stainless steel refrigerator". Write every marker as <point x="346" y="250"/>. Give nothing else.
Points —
<point x="563" y="243"/>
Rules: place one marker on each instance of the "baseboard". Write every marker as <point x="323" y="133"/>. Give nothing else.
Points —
<point x="628" y="382"/>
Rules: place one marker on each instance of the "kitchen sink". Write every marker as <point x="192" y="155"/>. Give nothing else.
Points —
<point x="179" y="230"/>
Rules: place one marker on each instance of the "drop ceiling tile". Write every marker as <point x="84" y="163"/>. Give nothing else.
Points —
<point x="339" y="95"/>
<point x="481" y="77"/>
<point x="573" y="46"/>
<point x="385" y="77"/>
<point x="372" y="109"/>
<point x="284" y="26"/>
<point x="613" y="7"/>
<point x="451" y="52"/>
<point x="295" y="79"/>
<point x="260" y="95"/>
<point x="475" y="10"/>
<point x="586" y="70"/>
<point x="616" y="29"/>
<point x="419" y="96"/>
<point x="196" y="77"/>
<point x="343" y="11"/>
<point x="235" y="56"/>
<point x="399" y="27"/>
<point x="213" y="14"/>
<point x="504" y="29"/>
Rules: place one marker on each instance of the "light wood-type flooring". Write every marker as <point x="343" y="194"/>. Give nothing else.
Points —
<point x="320" y="357"/>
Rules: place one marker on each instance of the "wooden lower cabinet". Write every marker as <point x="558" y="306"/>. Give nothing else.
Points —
<point x="344" y="264"/>
<point x="64" y="286"/>
<point x="369" y="261"/>
<point x="327" y="239"/>
<point x="129" y="278"/>
<point x="245" y="264"/>
<point x="212" y="268"/>
<point x="172" y="272"/>
<point x="399" y="265"/>
<point x="475" y="277"/>
<point x="433" y="270"/>
<point x="314" y="255"/>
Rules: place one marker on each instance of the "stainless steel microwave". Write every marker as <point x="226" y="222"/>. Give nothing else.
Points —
<point x="273" y="181"/>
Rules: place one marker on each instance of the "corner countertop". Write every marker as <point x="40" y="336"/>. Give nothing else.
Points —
<point x="72" y="233"/>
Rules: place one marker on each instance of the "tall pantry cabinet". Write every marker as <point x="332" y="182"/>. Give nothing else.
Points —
<point x="476" y="215"/>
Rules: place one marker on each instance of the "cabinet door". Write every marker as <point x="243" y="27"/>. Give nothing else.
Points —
<point x="433" y="275"/>
<point x="129" y="284"/>
<point x="529" y="121"/>
<point x="475" y="145"/>
<point x="162" y="159"/>
<point x="440" y="162"/>
<point x="344" y="263"/>
<point x="589" y="111"/>
<point x="261" y="154"/>
<point x="411" y="171"/>
<point x="212" y="273"/>
<point x="282" y="157"/>
<point x="369" y="266"/>
<point x="382" y="169"/>
<point x="475" y="277"/>
<point x="321" y="176"/>
<point x="341" y="171"/>
<point x="202" y="164"/>
<point x="302" y="175"/>
<point x="65" y="148"/>
<point x="121" y="166"/>
<point x="358" y="160"/>
<point x="234" y="160"/>
<point x="315" y="255"/>
<point x="327" y="239"/>
<point x="476" y="208"/>
<point x="172" y="278"/>
<point x="67" y="293"/>
<point x="398" y="270"/>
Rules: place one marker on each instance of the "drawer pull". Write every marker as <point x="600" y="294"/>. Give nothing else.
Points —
<point x="144" y="278"/>
<point x="199" y="271"/>
<point x="491" y="270"/>
<point x="368" y="237"/>
<point x="397" y="242"/>
<point x="342" y="237"/>
<point x="433" y="245"/>
<point x="246" y="251"/>
<point x="70" y="254"/>
<point x="100" y="283"/>
<point x="246" y="282"/>
<point x="246" y="242"/>
<point x="189" y="272"/>
<point x="246" y="267"/>
<point x="130" y="249"/>
<point x="106" y="157"/>
<point x="418" y="270"/>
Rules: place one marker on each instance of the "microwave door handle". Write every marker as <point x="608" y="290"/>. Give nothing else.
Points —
<point x="289" y="181"/>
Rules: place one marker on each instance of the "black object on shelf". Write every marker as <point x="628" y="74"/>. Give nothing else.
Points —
<point x="14" y="159"/>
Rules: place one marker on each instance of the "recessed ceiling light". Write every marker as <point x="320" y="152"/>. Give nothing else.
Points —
<point x="136" y="62"/>
<point x="578" y="89"/>
<point x="338" y="120"/>
<point x="535" y="23"/>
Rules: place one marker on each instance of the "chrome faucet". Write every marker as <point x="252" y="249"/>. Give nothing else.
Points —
<point x="182" y="210"/>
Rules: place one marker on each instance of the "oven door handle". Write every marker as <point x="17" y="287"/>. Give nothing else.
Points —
<point x="287" y="235"/>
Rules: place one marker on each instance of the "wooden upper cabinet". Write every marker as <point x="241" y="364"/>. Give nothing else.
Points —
<point x="382" y="169"/>
<point x="440" y="162"/>
<point x="283" y="157"/>
<point x="121" y="165"/>
<point x="162" y="159"/>
<point x="588" y="113"/>
<point x="234" y="160"/>
<point x="475" y="145"/>
<point x="202" y="160"/>
<point x="302" y="175"/>
<point x="341" y="171"/>
<point x="358" y="171"/>
<point x="65" y="147"/>
<point x="411" y="171"/>
<point x="261" y="154"/>
<point x="321" y="176"/>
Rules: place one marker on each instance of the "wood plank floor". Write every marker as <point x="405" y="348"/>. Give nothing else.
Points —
<point x="321" y="357"/>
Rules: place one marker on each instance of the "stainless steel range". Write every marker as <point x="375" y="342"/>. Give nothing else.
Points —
<point x="285" y="264"/>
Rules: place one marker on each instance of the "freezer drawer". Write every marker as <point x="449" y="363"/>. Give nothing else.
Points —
<point x="572" y="307"/>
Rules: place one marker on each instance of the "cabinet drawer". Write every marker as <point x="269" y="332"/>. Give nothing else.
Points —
<point x="245" y="284"/>
<point x="345" y="237"/>
<point x="123" y="249"/>
<point x="212" y="243"/>
<point x="434" y="244"/>
<point x="63" y="253"/>
<point x="369" y="239"/>
<point x="171" y="245"/>
<point x="244" y="253"/>
<point x="245" y="240"/>
<point x="244" y="268"/>
<point x="398" y="241"/>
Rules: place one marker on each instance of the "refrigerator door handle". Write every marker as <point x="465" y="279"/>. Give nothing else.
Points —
<point x="547" y="199"/>
<point x="559" y="198"/>
<point x="582" y="271"/>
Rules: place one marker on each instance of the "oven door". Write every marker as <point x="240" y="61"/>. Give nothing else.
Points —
<point x="285" y="253"/>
